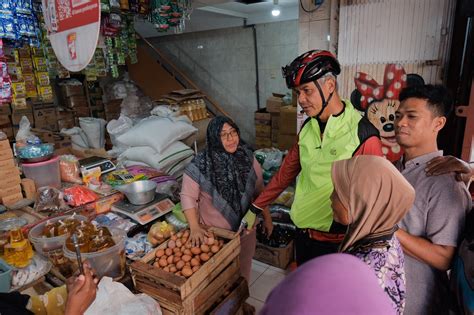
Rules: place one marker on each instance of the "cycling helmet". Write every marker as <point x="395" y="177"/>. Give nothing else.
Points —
<point x="310" y="66"/>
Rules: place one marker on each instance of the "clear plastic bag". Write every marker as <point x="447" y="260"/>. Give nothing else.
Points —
<point x="24" y="132"/>
<point x="49" y="199"/>
<point x="70" y="169"/>
<point x="269" y="158"/>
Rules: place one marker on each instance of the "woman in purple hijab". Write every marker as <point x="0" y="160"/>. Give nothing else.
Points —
<point x="331" y="284"/>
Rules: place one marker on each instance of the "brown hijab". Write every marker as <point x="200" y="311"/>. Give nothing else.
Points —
<point x="376" y="195"/>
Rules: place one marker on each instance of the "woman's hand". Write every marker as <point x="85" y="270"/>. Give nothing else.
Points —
<point x="81" y="292"/>
<point x="196" y="237"/>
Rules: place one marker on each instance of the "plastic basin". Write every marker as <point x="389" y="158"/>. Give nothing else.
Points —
<point x="109" y="262"/>
<point x="44" y="173"/>
<point x="43" y="244"/>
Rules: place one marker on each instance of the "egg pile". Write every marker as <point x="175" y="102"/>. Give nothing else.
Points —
<point x="181" y="258"/>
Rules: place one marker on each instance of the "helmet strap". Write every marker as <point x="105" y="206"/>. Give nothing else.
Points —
<point x="325" y="102"/>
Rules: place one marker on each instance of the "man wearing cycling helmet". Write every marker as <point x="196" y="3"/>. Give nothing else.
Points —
<point x="346" y="133"/>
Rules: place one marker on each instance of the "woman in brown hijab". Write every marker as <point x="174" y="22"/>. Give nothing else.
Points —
<point x="371" y="196"/>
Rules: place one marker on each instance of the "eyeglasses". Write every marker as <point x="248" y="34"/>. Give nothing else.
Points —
<point x="229" y="135"/>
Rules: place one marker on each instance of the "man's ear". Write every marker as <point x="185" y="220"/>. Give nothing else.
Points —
<point x="439" y="123"/>
<point x="331" y="84"/>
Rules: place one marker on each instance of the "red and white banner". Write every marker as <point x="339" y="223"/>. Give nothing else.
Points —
<point x="73" y="29"/>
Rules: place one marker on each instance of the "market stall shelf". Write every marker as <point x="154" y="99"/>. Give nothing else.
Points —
<point x="204" y="289"/>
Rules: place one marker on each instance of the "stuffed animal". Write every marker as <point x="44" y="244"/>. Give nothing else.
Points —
<point x="380" y="102"/>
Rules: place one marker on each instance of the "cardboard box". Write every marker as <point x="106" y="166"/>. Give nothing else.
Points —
<point x="5" y="145"/>
<point x="275" y="256"/>
<point x="66" y="123"/>
<point x="275" y="136"/>
<point x="275" y="121"/>
<point x="62" y="113"/>
<point x="8" y="131"/>
<point x="5" y="109"/>
<point x="263" y="117"/>
<point x="10" y="163"/>
<point x="29" y="188"/>
<point x="72" y="90"/>
<point x="261" y="143"/>
<point x="62" y="141"/>
<point x="285" y="142"/>
<point x="263" y="131"/>
<point x="9" y="182"/>
<point x="287" y="124"/>
<point x="275" y="102"/>
<point x="77" y="101"/>
<point x="5" y="120"/>
<point x="47" y="125"/>
<point x="47" y="136"/>
<point x="45" y="115"/>
<point x="12" y="199"/>
<point x="13" y="190"/>
<point x="82" y="111"/>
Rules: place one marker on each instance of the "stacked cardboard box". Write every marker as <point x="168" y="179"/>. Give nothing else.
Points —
<point x="45" y="116"/>
<point x="287" y="127"/>
<point x="59" y="140"/>
<point x="263" y="129"/>
<point x="66" y="118"/>
<point x="274" y="104"/>
<point x="73" y="97"/>
<point x="10" y="189"/>
<point x="112" y="109"/>
<point x="6" y="121"/>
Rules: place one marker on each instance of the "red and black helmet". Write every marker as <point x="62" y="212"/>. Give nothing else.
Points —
<point x="310" y="66"/>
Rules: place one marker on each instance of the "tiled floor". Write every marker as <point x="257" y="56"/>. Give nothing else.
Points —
<point x="263" y="279"/>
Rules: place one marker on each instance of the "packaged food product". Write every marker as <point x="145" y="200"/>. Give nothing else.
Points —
<point x="70" y="169"/>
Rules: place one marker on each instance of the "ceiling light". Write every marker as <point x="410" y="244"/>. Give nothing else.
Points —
<point x="276" y="12"/>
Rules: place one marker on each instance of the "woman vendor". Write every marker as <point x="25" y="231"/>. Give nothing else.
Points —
<point x="371" y="196"/>
<point x="219" y="185"/>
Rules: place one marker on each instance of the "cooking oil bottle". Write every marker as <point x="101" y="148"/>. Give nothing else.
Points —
<point x="18" y="251"/>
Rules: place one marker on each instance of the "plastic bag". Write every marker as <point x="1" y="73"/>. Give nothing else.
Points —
<point x="49" y="199"/>
<point x="24" y="132"/>
<point x="165" y="111"/>
<point x="70" y="169"/>
<point x="94" y="129"/>
<point x="269" y="158"/>
<point x="78" y="138"/>
<point x="124" y="301"/>
<point x="79" y="195"/>
<point x="119" y="126"/>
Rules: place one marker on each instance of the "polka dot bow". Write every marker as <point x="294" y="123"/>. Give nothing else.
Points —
<point x="394" y="81"/>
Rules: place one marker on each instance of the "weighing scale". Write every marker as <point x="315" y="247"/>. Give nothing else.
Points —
<point x="94" y="161"/>
<point x="144" y="214"/>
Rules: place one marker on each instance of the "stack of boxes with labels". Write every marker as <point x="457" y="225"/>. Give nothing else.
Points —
<point x="10" y="189"/>
<point x="287" y="127"/>
<point x="274" y="104"/>
<point x="41" y="74"/>
<point x="263" y="129"/>
<point x="73" y="97"/>
<point x="45" y="116"/>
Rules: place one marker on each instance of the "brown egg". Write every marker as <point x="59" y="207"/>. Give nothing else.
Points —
<point x="198" y="258"/>
<point x="173" y="237"/>
<point x="195" y="250"/>
<point x="194" y="262"/>
<point x="156" y="264"/>
<point x="187" y="252"/>
<point x="188" y="264"/>
<point x="176" y="249"/>
<point x="204" y="248"/>
<point x="180" y="234"/>
<point x="214" y="248"/>
<point x="178" y="254"/>
<point x="163" y="262"/>
<point x="168" y="251"/>
<point x="179" y="243"/>
<point x="204" y="257"/>
<point x="210" y="241"/>
<point x="184" y="240"/>
<point x="186" y="258"/>
<point x="186" y="233"/>
<point x="183" y="248"/>
<point x="170" y="259"/>
<point x="159" y="252"/>
<point x="188" y="245"/>
<point x="187" y="272"/>
<point x="216" y="242"/>
<point x="176" y="259"/>
<point x="167" y="269"/>
<point x="173" y="269"/>
<point x="180" y="265"/>
<point x="172" y="244"/>
<point x="195" y="268"/>
<point x="178" y="273"/>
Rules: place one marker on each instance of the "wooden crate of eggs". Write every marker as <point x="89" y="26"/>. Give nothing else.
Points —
<point x="186" y="279"/>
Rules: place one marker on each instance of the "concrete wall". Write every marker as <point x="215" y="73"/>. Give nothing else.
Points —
<point x="222" y="64"/>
